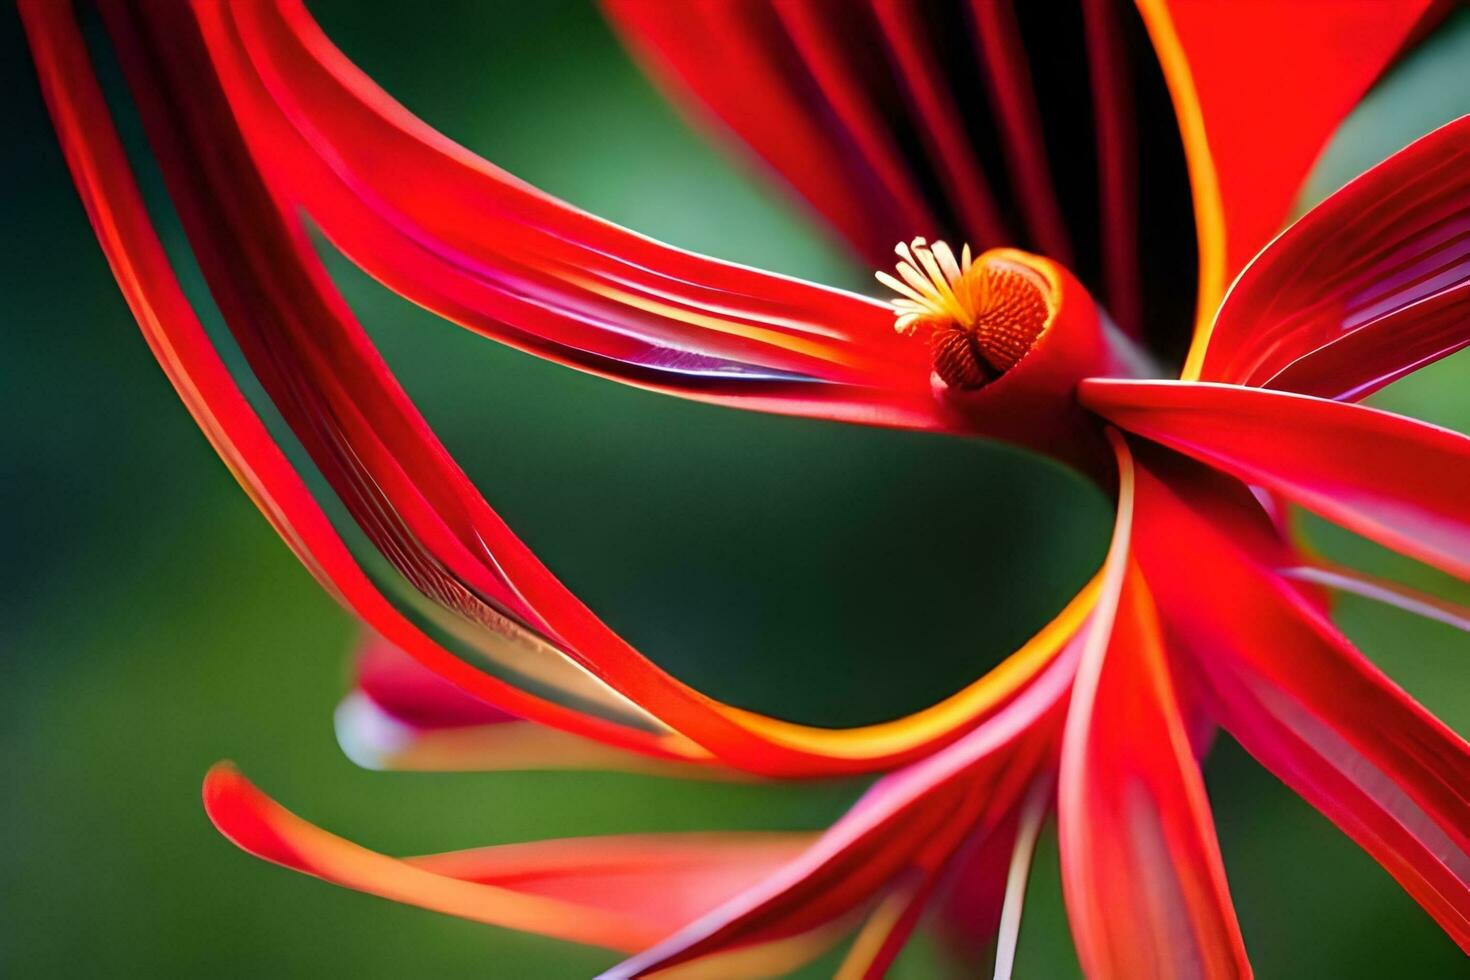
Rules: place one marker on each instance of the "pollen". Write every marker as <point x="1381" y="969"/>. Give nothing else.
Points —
<point x="980" y="317"/>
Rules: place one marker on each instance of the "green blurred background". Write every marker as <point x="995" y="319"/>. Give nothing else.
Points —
<point x="154" y="624"/>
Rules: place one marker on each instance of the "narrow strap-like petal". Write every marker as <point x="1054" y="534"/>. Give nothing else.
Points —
<point x="618" y="892"/>
<point x="1373" y="283"/>
<point x="977" y="834"/>
<point x="1251" y="136"/>
<point x="906" y="29"/>
<point x="968" y="917"/>
<point x="1004" y="62"/>
<point x="974" y="781"/>
<point x="1296" y="694"/>
<point x="1390" y="478"/>
<point x="412" y="694"/>
<point x="403" y="716"/>
<point x="1381" y="590"/>
<point x="488" y="597"/>
<point x="1117" y="133"/>
<point x="734" y="62"/>
<point x="832" y="39"/>
<point x="330" y="138"/>
<point x="1144" y="882"/>
<point x="1017" y="125"/>
<point x="189" y="358"/>
<point x="897" y="914"/>
<point x="374" y="739"/>
<point x="320" y="370"/>
<point x="1029" y="819"/>
<point x="472" y="243"/>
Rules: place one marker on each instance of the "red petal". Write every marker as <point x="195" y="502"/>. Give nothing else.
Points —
<point x="1389" y="478"/>
<point x="985" y="890"/>
<point x="1144" y="882"/>
<point x="308" y="97"/>
<point x="619" y="892"/>
<point x="1381" y="590"/>
<point x="414" y="695"/>
<point x="1297" y="694"/>
<point x="186" y="353"/>
<point x="976" y="895"/>
<point x="881" y="116"/>
<point x="365" y="436"/>
<point x="374" y="739"/>
<point x="851" y="363"/>
<point x="404" y="491"/>
<point x="828" y="43"/>
<point x="735" y="62"/>
<point x="906" y="33"/>
<point x="889" y="926"/>
<point x="1117" y="161"/>
<point x="404" y="716"/>
<point x="1372" y="284"/>
<point x="489" y="595"/>
<point x="1007" y="73"/>
<point x="962" y="848"/>
<point x="1252" y="135"/>
<point x="912" y="819"/>
<point x="483" y="249"/>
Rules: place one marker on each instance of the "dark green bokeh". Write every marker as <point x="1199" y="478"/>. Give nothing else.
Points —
<point x="154" y="624"/>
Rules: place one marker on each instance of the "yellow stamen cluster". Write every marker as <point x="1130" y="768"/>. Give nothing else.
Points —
<point x="980" y="317"/>
<point x="934" y="287"/>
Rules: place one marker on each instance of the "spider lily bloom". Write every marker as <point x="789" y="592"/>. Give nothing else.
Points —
<point x="254" y="119"/>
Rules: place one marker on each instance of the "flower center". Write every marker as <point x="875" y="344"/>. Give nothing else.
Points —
<point x="980" y="316"/>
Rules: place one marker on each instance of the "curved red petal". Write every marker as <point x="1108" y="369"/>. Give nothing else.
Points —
<point x="964" y="853"/>
<point x="189" y="358"/>
<point x="487" y="593"/>
<point x="842" y="362"/>
<point x="1387" y="477"/>
<point x="1004" y="63"/>
<point x="618" y="892"/>
<point x="415" y="695"/>
<point x="828" y="37"/>
<point x="321" y="371"/>
<point x="977" y="893"/>
<point x="886" y="121"/>
<point x="1309" y="65"/>
<point x="1295" y="692"/>
<point x="907" y="33"/>
<point x="1380" y="590"/>
<point x="911" y="820"/>
<point x="404" y="716"/>
<point x="1143" y="877"/>
<point x="1372" y="284"/>
<point x="472" y="243"/>
<point x="374" y="739"/>
<point x="1118" y="155"/>
<point x="736" y="63"/>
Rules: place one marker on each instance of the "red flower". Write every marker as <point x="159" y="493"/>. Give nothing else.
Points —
<point x="1203" y="614"/>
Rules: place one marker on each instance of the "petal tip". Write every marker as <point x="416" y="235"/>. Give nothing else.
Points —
<point x="240" y="812"/>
